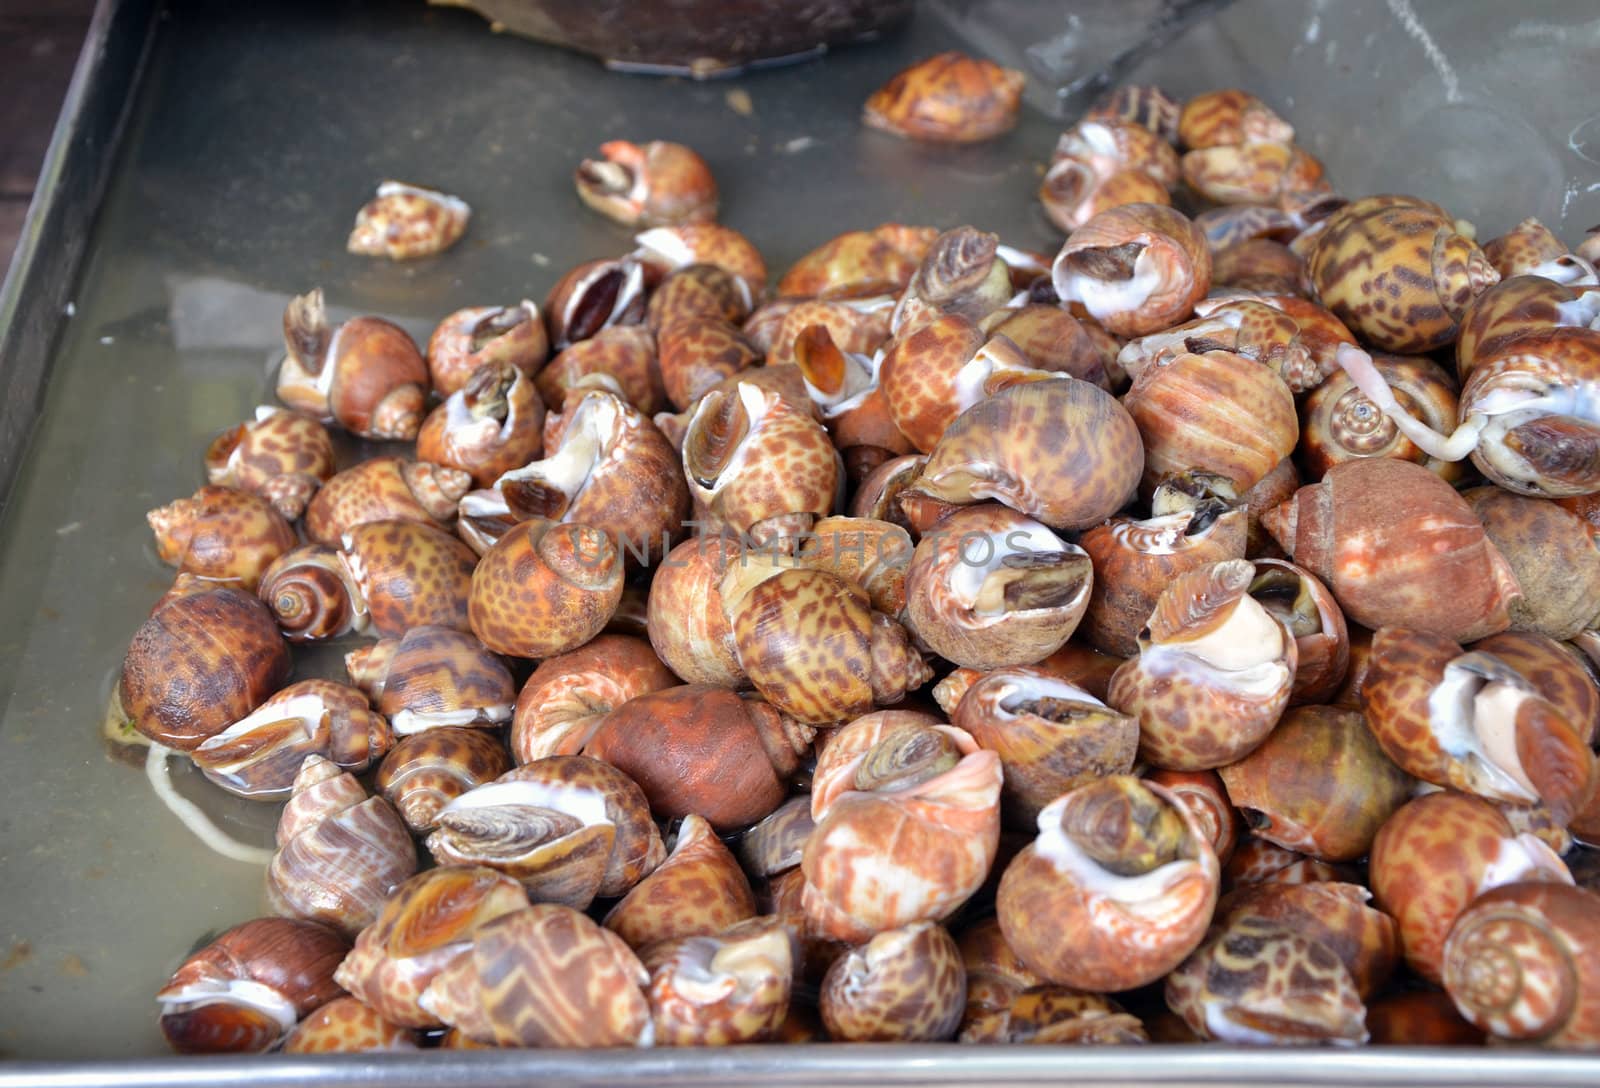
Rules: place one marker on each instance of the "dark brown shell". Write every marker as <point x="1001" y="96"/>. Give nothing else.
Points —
<point x="199" y="663"/>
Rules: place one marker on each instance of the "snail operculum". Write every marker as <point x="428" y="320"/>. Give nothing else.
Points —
<point x="906" y="758"/>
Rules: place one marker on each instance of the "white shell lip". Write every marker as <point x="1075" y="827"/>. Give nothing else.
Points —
<point x="255" y="995"/>
<point x="453" y="204"/>
<point x="1144" y="895"/>
<point x="407" y="722"/>
<point x="585" y="802"/>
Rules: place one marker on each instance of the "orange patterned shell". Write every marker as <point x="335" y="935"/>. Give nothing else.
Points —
<point x="905" y="985"/>
<point x="698" y="889"/>
<point x="425" y="924"/>
<point x="1063" y="451"/>
<point x="411" y="575"/>
<point x="544" y="975"/>
<point x="1439" y="853"/>
<point x="878" y="860"/>
<point x="347" y="1026"/>
<point x="545" y="588"/>
<point x="951" y="98"/>
<point x="222" y="534"/>
<point x="1398" y="274"/>
<point x="1523" y="963"/>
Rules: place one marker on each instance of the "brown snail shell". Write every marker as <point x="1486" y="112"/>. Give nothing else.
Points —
<point x="544" y="975"/>
<point x="340" y="852"/>
<point x="1339" y="423"/>
<point x="620" y="359"/>
<point x="1308" y="610"/>
<point x="564" y="700"/>
<point x="1218" y="412"/>
<point x="282" y="456"/>
<point x="962" y="274"/>
<point x="1398" y="273"/>
<point x="1134" y="562"/>
<point x="567" y="827"/>
<point x="697" y="890"/>
<point x="856" y="325"/>
<point x="347" y="1025"/>
<point x="1052" y="339"/>
<point x="201" y="662"/>
<point x="904" y="985"/>
<point x="949" y="98"/>
<point x="408" y="575"/>
<point x="492" y="424"/>
<point x="759" y="465"/>
<point x="1258" y="264"/>
<point x="932" y="373"/>
<point x="888" y="255"/>
<point x="1142" y="104"/>
<point x="545" y="588"/>
<point x="244" y="991"/>
<point x="366" y="373"/>
<point x="591" y="297"/>
<point x="1206" y="798"/>
<point x="1319" y="784"/>
<point x="1436" y="855"/>
<point x="1245" y="327"/>
<point x="648" y="184"/>
<point x="775" y="844"/>
<point x="813" y="646"/>
<point x="482" y="335"/>
<point x="423" y="927"/>
<point x="1472" y="722"/>
<point x="1257" y="861"/>
<point x="699" y="292"/>
<point x="1229" y="117"/>
<point x="1136" y="268"/>
<point x="1530" y="249"/>
<point x="1516" y="307"/>
<point x="1253" y="173"/>
<point x="1397" y="545"/>
<point x="701" y="750"/>
<point x="1259" y="981"/>
<point x="694" y="354"/>
<point x="666" y="249"/>
<point x="612" y="470"/>
<point x="1523" y="963"/>
<point x="1050" y="736"/>
<point x="221" y="534"/>
<point x="1553" y="556"/>
<point x="385" y="489"/>
<point x="403" y="222"/>
<point x="989" y="588"/>
<point x="908" y="824"/>
<point x="725" y="988"/>
<point x="313" y="594"/>
<point x="1127" y="879"/>
<point x="1556" y="672"/>
<point x="427" y="770"/>
<point x="259" y="755"/>
<point x="685" y="620"/>
<point x="431" y="677"/>
<point x="1062" y="451"/>
<point x="1213" y="674"/>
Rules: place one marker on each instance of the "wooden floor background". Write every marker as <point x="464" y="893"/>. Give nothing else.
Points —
<point x="39" y="42"/>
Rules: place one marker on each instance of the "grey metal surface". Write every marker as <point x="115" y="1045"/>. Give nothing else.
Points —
<point x="254" y="137"/>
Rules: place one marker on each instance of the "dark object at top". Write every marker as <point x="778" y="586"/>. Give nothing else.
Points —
<point x="699" y="38"/>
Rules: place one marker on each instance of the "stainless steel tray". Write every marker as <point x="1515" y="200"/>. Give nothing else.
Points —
<point x="139" y="324"/>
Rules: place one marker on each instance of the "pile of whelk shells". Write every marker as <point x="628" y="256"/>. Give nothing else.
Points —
<point x="1250" y="621"/>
